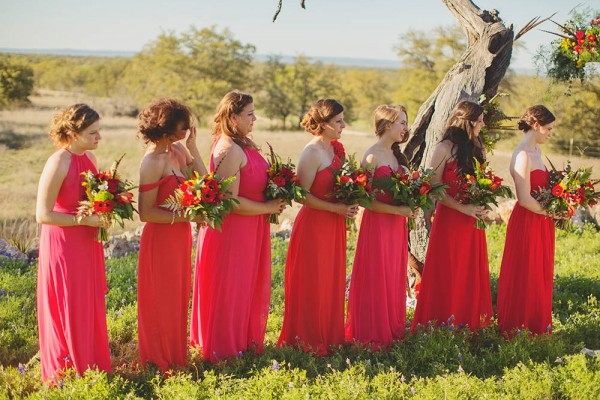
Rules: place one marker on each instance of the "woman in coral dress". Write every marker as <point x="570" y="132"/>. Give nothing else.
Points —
<point x="455" y="288"/>
<point x="164" y="265"/>
<point x="71" y="278"/>
<point x="232" y="283"/>
<point x="377" y="301"/>
<point x="526" y="276"/>
<point x="315" y="271"/>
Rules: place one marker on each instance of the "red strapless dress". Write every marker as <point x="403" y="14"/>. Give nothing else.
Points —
<point x="315" y="274"/>
<point x="455" y="288"/>
<point x="377" y="302"/>
<point x="526" y="276"/>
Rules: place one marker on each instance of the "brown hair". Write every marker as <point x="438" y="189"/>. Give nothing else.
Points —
<point x="232" y="103"/>
<point x="71" y="121"/>
<point x="384" y="116"/>
<point x="161" y="118"/>
<point x="539" y="114"/>
<point x="459" y="131"/>
<point x="322" y="111"/>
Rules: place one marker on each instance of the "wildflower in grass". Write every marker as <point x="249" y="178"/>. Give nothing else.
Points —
<point x="275" y="366"/>
<point x="22" y="369"/>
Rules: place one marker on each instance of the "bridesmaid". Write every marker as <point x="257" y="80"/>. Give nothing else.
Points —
<point x="164" y="265"/>
<point x="71" y="278"/>
<point x="455" y="288"/>
<point x="377" y="302"/>
<point x="232" y="284"/>
<point x="526" y="275"/>
<point x="316" y="261"/>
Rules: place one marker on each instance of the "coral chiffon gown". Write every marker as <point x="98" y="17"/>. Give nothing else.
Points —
<point x="377" y="302"/>
<point x="71" y="287"/>
<point x="526" y="276"/>
<point x="232" y="285"/>
<point x="164" y="280"/>
<point x="315" y="274"/>
<point x="455" y="287"/>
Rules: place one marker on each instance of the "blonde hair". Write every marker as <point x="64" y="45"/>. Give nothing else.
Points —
<point x="232" y="103"/>
<point x="71" y="121"/>
<point x="384" y="116"/>
<point x="322" y="111"/>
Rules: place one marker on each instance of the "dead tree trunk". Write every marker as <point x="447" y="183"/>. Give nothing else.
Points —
<point x="479" y="71"/>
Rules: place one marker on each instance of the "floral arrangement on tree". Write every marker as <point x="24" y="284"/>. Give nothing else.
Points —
<point x="202" y="195"/>
<point x="108" y="196"/>
<point x="568" y="190"/>
<point x="413" y="189"/>
<point x="283" y="183"/>
<point x="493" y="116"/>
<point x="482" y="188"/>
<point x="578" y="45"/>
<point x="351" y="183"/>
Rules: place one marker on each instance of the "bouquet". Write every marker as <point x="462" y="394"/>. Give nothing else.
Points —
<point x="202" y="196"/>
<point x="352" y="184"/>
<point x="283" y="183"/>
<point x="108" y="196"/>
<point x="568" y="190"/>
<point x="482" y="188"/>
<point x="413" y="189"/>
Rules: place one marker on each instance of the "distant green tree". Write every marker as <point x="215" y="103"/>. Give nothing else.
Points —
<point x="16" y="81"/>
<point x="275" y="94"/>
<point x="198" y="67"/>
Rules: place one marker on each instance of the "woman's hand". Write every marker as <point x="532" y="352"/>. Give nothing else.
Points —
<point x="276" y="206"/>
<point x="563" y="215"/>
<point x="347" y="210"/>
<point x="92" y="220"/>
<point x="405" y="211"/>
<point x="190" y="142"/>
<point x="477" y="212"/>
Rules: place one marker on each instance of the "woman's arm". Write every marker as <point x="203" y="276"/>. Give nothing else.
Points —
<point x="51" y="180"/>
<point x="231" y="158"/>
<point x="192" y="154"/>
<point x="442" y="152"/>
<point x="521" y="175"/>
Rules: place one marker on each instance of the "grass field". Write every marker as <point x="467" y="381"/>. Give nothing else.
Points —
<point x="24" y="148"/>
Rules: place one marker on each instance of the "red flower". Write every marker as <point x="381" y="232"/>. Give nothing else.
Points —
<point x="279" y="181"/>
<point x="123" y="198"/>
<point x="596" y="21"/>
<point x="212" y="185"/>
<point x="571" y="210"/>
<point x="344" y="179"/>
<point x="187" y="201"/>
<point x="591" y="37"/>
<point x="113" y="185"/>
<point x="416" y="175"/>
<point x="338" y="149"/>
<point x="287" y="173"/>
<point x="425" y="188"/>
<point x="104" y="206"/>
<point x="183" y="187"/>
<point x="101" y="176"/>
<point x="578" y="49"/>
<point x="557" y="190"/>
<point x="580" y="34"/>
<point x="361" y="180"/>
<point x="581" y="42"/>
<point x="208" y="196"/>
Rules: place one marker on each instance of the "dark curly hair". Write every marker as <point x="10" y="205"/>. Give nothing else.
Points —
<point x="161" y="118"/>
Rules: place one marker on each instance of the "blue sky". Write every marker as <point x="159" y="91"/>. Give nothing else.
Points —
<point x="336" y="28"/>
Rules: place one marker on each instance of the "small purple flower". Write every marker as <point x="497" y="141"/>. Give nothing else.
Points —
<point x="413" y="390"/>
<point x="240" y="354"/>
<point x="130" y="289"/>
<point x="2" y="292"/>
<point x="291" y="385"/>
<point x="61" y="383"/>
<point x="67" y="358"/>
<point x="459" y="358"/>
<point x="452" y="328"/>
<point x="22" y="369"/>
<point x="277" y="259"/>
<point x="461" y="326"/>
<point x="275" y="366"/>
<point x="593" y="315"/>
<point x="407" y="324"/>
<point x="443" y="324"/>
<point x="25" y="309"/>
<point x="549" y="328"/>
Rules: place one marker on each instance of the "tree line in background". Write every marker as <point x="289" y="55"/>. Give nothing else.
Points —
<point x="200" y="65"/>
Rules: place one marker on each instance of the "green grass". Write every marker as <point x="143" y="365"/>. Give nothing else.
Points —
<point x="433" y="363"/>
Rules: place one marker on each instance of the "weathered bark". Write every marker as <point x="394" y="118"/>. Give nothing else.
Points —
<point x="479" y="70"/>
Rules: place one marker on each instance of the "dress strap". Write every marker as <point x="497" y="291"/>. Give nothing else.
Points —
<point x="149" y="186"/>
